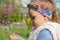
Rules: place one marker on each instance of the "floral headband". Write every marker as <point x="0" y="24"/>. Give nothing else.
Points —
<point x="43" y="11"/>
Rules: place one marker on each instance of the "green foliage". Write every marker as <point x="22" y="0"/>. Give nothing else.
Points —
<point x="23" y="32"/>
<point x="28" y="22"/>
<point x="59" y="14"/>
<point x="4" y="2"/>
<point x="15" y="17"/>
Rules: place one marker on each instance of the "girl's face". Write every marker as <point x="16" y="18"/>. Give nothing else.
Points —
<point x="36" y="18"/>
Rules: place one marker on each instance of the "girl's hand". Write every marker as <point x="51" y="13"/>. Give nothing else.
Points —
<point x="15" y="37"/>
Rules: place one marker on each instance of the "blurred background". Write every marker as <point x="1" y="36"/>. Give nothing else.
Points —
<point x="14" y="18"/>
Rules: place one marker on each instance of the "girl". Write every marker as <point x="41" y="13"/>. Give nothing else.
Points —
<point x="44" y="18"/>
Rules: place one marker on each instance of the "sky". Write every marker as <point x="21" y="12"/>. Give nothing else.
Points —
<point x="57" y="2"/>
<point x="58" y="5"/>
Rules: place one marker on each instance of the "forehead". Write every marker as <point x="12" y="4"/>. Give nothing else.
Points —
<point x="33" y="12"/>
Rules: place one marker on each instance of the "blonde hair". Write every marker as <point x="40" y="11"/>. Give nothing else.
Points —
<point x="50" y="6"/>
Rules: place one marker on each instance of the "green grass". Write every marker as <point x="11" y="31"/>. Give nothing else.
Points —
<point x="23" y="32"/>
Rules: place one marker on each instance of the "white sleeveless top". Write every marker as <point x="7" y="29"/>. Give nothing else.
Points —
<point x="53" y="27"/>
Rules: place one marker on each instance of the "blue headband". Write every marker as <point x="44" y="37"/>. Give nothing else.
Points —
<point x="45" y="12"/>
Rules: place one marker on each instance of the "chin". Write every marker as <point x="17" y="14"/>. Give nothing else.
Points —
<point x="36" y="26"/>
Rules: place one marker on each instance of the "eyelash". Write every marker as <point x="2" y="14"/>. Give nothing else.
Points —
<point x="32" y="17"/>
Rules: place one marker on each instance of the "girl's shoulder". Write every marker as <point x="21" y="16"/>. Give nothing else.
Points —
<point x="53" y="23"/>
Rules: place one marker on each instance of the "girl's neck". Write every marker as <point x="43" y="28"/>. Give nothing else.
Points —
<point x="42" y="24"/>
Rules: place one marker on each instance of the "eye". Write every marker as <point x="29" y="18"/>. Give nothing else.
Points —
<point x="32" y="18"/>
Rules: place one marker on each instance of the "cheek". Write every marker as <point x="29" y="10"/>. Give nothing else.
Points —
<point x="38" y="20"/>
